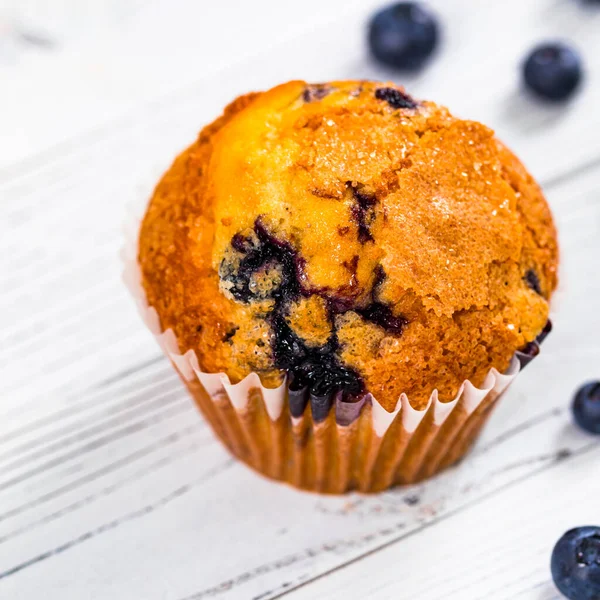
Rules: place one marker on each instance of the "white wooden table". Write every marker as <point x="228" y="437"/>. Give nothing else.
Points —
<point x="111" y="484"/>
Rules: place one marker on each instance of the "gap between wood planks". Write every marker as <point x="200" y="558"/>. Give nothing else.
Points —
<point x="114" y="466"/>
<point x="138" y="386"/>
<point x="145" y="510"/>
<point x="114" y="487"/>
<point x="177" y="405"/>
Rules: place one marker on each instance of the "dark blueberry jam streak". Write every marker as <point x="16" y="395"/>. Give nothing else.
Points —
<point x="314" y="372"/>
<point x="267" y="252"/>
<point x="363" y="214"/>
<point x="230" y="334"/>
<point x="380" y="276"/>
<point x="379" y="313"/>
<point x="240" y="243"/>
<point x="545" y="332"/>
<point x="533" y="281"/>
<point x="316" y="369"/>
<point x="382" y="315"/>
<point x="395" y="98"/>
<point x="532" y="349"/>
<point x="315" y="92"/>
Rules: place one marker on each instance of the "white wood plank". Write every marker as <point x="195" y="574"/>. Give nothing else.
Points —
<point x="499" y="549"/>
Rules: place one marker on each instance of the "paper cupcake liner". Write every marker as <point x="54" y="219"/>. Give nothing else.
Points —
<point x="327" y="444"/>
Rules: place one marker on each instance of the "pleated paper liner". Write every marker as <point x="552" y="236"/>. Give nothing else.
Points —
<point x="327" y="444"/>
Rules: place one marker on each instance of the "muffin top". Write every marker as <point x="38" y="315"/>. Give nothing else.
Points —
<point x="352" y="237"/>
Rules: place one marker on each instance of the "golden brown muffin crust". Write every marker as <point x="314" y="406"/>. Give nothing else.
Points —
<point x="410" y="247"/>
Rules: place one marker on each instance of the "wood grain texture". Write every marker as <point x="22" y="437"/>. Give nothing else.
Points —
<point x="112" y="486"/>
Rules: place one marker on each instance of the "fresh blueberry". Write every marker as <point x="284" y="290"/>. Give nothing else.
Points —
<point x="575" y="564"/>
<point x="586" y="407"/>
<point x="553" y="71"/>
<point x="403" y="35"/>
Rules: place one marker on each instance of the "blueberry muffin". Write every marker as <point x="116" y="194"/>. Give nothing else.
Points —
<point x="351" y="242"/>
